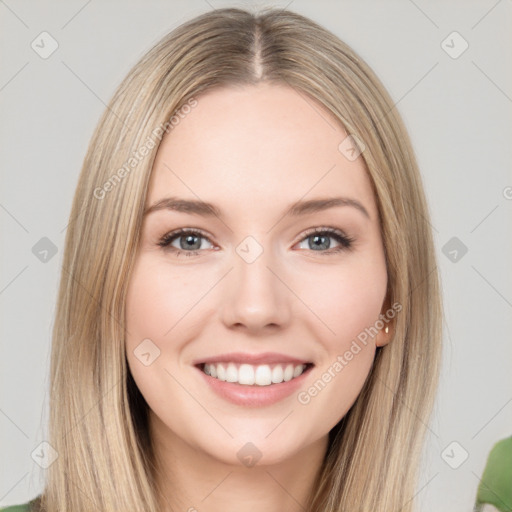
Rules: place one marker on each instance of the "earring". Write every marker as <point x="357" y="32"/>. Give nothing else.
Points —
<point x="386" y="329"/>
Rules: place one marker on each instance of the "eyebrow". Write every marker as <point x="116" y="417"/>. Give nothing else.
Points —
<point x="205" y="209"/>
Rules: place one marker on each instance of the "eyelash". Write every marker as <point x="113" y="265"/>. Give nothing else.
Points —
<point x="346" y="242"/>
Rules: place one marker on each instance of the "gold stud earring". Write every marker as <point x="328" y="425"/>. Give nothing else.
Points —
<point x="386" y="329"/>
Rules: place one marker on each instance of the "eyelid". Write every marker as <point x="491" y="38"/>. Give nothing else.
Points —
<point x="321" y="229"/>
<point x="182" y="231"/>
<point x="346" y="242"/>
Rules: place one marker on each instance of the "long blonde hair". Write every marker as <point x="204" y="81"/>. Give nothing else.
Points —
<point x="98" y="418"/>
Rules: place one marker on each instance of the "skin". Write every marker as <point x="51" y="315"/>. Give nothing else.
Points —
<point x="252" y="151"/>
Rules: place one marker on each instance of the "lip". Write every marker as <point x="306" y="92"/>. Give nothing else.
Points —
<point x="254" y="359"/>
<point x="254" y="396"/>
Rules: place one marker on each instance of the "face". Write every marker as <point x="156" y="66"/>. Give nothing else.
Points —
<point x="249" y="278"/>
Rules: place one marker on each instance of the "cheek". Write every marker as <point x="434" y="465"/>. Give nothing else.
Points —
<point x="158" y="298"/>
<point x="349" y="305"/>
<point x="345" y="299"/>
<point x="162" y="306"/>
<point x="335" y="387"/>
<point x="151" y="312"/>
<point x="348" y="299"/>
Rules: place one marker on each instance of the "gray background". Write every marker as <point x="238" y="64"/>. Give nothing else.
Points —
<point x="458" y="112"/>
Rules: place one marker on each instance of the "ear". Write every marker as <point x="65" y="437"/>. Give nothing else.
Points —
<point x="383" y="338"/>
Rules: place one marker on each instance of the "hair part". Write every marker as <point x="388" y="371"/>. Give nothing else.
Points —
<point x="98" y="418"/>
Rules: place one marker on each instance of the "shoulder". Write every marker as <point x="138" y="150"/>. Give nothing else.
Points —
<point x="24" y="507"/>
<point x="16" y="508"/>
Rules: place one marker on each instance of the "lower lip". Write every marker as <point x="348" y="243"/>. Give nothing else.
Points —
<point x="254" y="396"/>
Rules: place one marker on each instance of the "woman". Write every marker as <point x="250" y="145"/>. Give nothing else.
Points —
<point x="249" y="313"/>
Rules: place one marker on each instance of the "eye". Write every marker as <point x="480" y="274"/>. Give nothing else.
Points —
<point x="319" y="239"/>
<point x="189" y="241"/>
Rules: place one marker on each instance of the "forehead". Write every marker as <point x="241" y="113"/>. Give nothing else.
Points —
<point x="257" y="147"/>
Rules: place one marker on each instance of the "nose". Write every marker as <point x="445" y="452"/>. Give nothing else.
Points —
<point x="256" y="296"/>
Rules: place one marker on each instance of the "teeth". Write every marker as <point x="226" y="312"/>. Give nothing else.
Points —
<point x="246" y="374"/>
<point x="250" y="375"/>
<point x="277" y="374"/>
<point x="231" y="373"/>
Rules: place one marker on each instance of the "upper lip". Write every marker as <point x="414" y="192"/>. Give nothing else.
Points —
<point x="240" y="357"/>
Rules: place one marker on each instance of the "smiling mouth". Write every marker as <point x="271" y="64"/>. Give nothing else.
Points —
<point x="254" y="375"/>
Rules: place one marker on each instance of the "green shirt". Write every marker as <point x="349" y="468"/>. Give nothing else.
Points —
<point x="24" y="507"/>
<point x="16" y="508"/>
